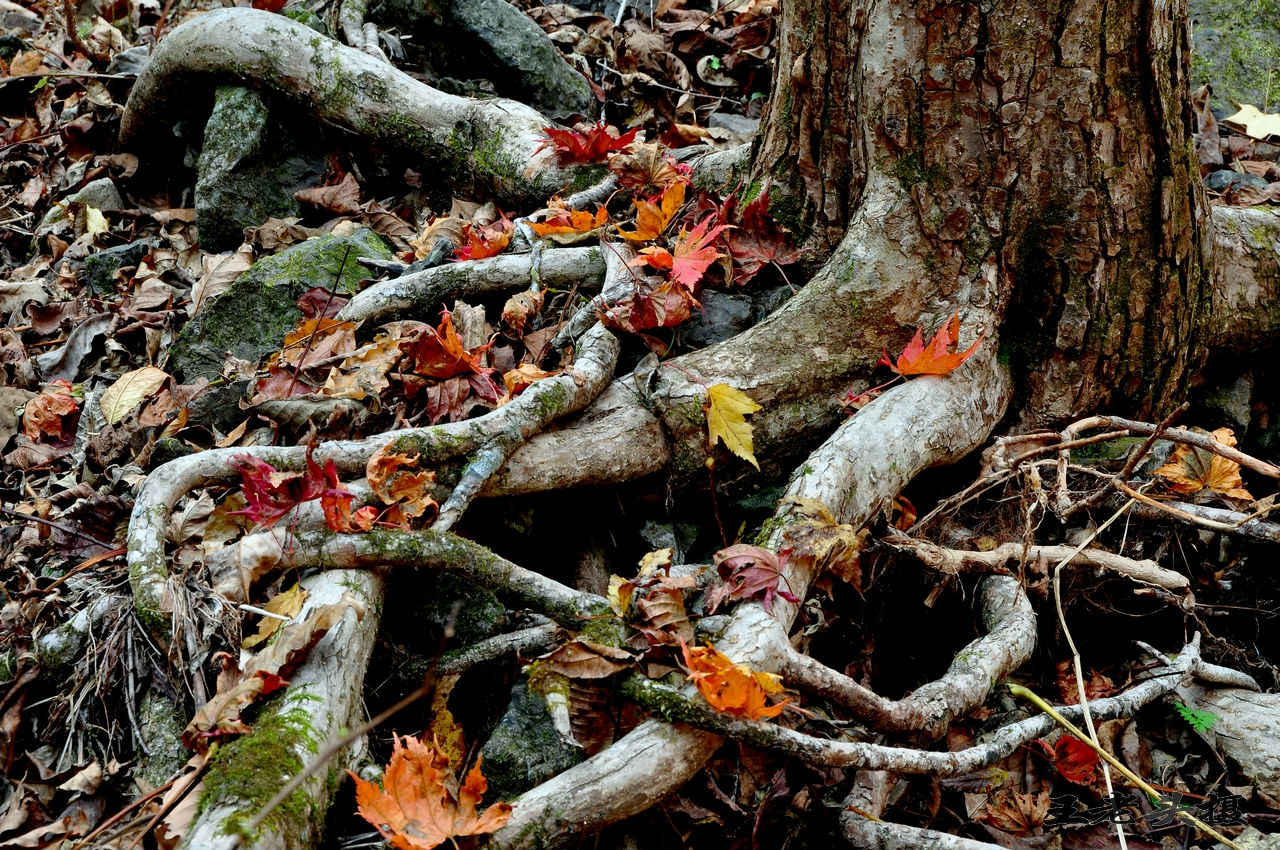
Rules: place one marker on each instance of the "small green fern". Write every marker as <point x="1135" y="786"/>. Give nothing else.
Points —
<point x="1201" y="721"/>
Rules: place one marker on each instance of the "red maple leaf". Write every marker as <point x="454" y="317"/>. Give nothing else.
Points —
<point x="484" y="241"/>
<point x="271" y="493"/>
<point x="665" y="306"/>
<point x="594" y="145"/>
<point x="938" y="357"/>
<point x="693" y="254"/>
<point x="749" y="572"/>
<point x="758" y="241"/>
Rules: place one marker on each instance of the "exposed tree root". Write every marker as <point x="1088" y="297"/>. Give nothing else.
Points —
<point x="491" y="144"/>
<point x="324" y="698"/>
<point x="424" y="291"/>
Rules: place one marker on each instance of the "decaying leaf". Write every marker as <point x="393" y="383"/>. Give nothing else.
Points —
<point x="731" y="688"/>
<point x="938" y="357"/>
<point x="420" y="804"/>
<point x="396" y="479"/>
<point x="1192" y="469"/>
<point x="749" y="572"/>
<point x="665" y="620"/>
<point x="42" y="415"/>
<point x="726" y="411"/>
<point x="1014" y="812"/>
<point x="813" y="533"/>
<point x="130" y="390"/>
<point x="583" y="659"/>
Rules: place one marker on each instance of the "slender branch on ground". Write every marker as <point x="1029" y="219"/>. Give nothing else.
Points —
<point x="930" y="709"/>
<point x="959" y="560"/>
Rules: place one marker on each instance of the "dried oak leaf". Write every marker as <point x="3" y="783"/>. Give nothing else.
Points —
<point x="1191" y="469"/>
<point x="1013" y="812"/>
<point x="748" y="572"/>
<point x="582" y="659"/>
<point x="732" y="688"/>
<point x="420" y="804"/>
<point x="726" y="409"/>
<point x="938" y="357"/>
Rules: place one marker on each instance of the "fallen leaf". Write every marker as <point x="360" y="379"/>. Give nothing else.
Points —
<point x="648" y="166"/>
<point x="343" y="198"/>
<point x="938" y="357"/>
<point x="653" y="215"/>
<point x="576" y="223"/>
<point x="1076" y="761"/>
<point x="1254" y="123"/>
<point x="592" y="145"/>
<point x="694" y="253"/>
<point x="726" y="409"/>
<point x="271" y="494"/>
<point x="748" y="572"/>
<point x="286" y="603"/>
<point x="420" y="804"/>
<point x="130" y="390"/>
<point x="1192" y="469"/>
<point x="758" y="241"/>
<point x="664" y="306"/>
<point x="42" y="415"/>
<point x="583" y="659"/>
<point x="1014" y="812"/>
<point x="732" y="688"/>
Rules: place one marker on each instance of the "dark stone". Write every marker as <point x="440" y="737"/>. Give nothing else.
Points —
<point x="100" y="268"/>
<point x="1220" y="181"/>
<point x="167" y="449"/>
<point x="723" y="316"/>
<point x="256" y="154"/>
<point x="251" y="318"/>
<point x="525" y="749"/>
<point x="218" y="408"/>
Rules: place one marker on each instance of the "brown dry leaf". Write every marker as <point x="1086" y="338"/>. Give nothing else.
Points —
<point x="264" y="673"/>
<point x="520" y="378"/>
<point x="1012" y="812"/>
<point x="1191" y="470"/>
<point x="420" y="804"/>
<point x="287" y="603"/>
<point x="582" y="659"/>
<point x="520" y="309"/>
<point x="665" y="619"/>
<point x="814" y="533"/>
<point x="396" y="480"/>
<point x="343" y="199"/>
<point x="731" y="688"/>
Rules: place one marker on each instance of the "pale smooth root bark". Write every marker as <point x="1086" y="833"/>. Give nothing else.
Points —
<point x="325" y="697"/>
<point x="426" y="290"/>
<point x="488" y="144"/>
<point x="865" y="463"/>
<point x="529" y="413"/>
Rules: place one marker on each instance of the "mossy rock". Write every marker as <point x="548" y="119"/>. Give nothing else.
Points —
<point x="256" y="154"/>
<point x="1236" y="47"/>
<point x="525" y="750"/>
<point x="251" y="318"/>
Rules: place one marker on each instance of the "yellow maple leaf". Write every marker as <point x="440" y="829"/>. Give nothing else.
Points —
<point x="726" y="408"/>
<point x="1192" y="469"/>
<point x="286" y="603"/>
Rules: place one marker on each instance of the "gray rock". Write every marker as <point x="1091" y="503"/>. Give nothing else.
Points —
<point x="1229" y="404"/>
<point x="1234" y="45"/>
<point x="1220" y="181"/>
<point x="251" y="318"/>
<point x="253" y="159"/>
<point x="525" y="749"/>
<point x="737" y="124"/>
<point x="723" y="315"/>
<point x="101" y="194"/>
<point x="517" y="55"/>
<point x="100" y="268"/>
<point x="218" y="408"/>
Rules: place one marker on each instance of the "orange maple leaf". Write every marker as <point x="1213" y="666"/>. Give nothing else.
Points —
<point x="571" y="221"/>
<point x="731" y="688"/>
<point x="938" y="357"/>
<point x="1192" y="469"/>
<point x="420" y="804"/>
<point x="42" y="417"/>
<point x="485" y="241"/>
<point x="653" y="215"/>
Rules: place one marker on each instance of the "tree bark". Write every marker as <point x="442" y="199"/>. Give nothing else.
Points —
<point x="1032" y="158"/>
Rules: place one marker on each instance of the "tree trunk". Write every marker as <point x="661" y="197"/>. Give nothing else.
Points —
<point x="1027" y="159"/>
